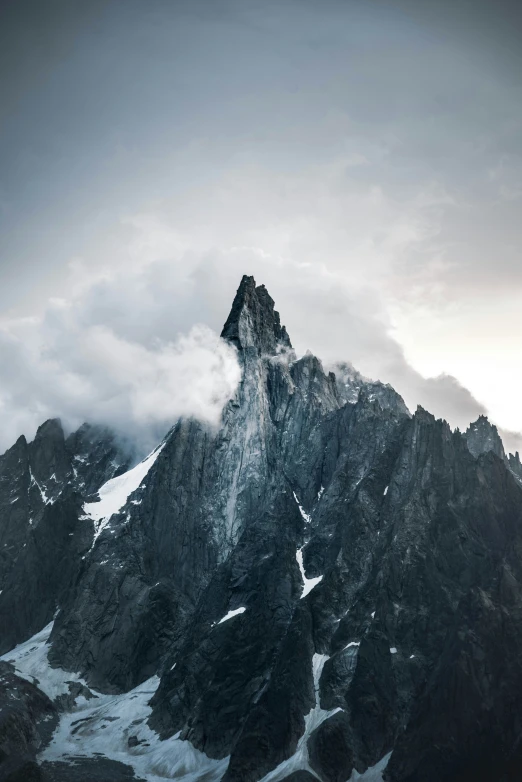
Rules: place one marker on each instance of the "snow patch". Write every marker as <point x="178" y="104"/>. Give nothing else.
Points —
<point x="352" y="643"/>
<point x="385" y="492"/>
<point x="31" y="663"/>
<point x="393" y="650"/>
<point x="114" y="494"/>
<point x="102" y="725"/>
<point x="230" y="614"/>
<point x="308" y="583"/>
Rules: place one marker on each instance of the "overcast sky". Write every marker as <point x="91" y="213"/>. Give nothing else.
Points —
<point x="362" y="159"/>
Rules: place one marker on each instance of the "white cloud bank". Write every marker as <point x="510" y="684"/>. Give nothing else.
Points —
<point x="136" y="345"/>
<point x="59" y="365"/>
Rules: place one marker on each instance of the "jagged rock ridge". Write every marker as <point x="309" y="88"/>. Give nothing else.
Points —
<point x="324" y="585"/>
<point x="41" y="541"/>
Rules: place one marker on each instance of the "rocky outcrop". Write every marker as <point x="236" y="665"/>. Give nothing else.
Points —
<point x="253" y="323"/>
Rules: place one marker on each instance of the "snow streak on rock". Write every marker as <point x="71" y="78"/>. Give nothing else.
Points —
<point x="308" y="583"/>
<point x="114" y="494"/>
<point x="306" y="517"/>
<point x="231" y="614"/>
<point x="34" y="482"/>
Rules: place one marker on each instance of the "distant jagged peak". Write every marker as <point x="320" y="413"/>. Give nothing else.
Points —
<point x="253" y="324"/>
<point x="52" y="427"/>
<point x="352" y="386"/>
<point x="482" y="436"/>
<point x="514" y="458"/>
<point x="515" y="465"/>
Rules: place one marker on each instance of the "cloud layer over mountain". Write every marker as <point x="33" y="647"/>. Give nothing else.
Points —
<point x="67" y="364"/>
<point x="363" y="160"/>
<point x="138" y="346"/>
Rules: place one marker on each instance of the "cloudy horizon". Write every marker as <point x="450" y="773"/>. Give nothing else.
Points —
<point x="362" y="160"/>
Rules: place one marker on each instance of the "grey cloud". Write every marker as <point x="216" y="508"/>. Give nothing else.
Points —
<point x="130" y="350"/>
<point x="217" y="88"/>
<point x="58" y="367"/>
<point x="355" y="156"/>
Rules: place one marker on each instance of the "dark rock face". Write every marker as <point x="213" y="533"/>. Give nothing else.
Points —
<point x="87" y="770"/>
<point x="76" y="769"/>
<point x="41" y="575"/>
<point x="96" y="456"/>
<point x="482" y="437"/>
<point x="515" y="465"/>
<point x="27" y="721"/>
<point x="330" y="749"/>
<point x="42" y="537"/>
<point x="322" y="582"/>
<point x="253" y="323"/>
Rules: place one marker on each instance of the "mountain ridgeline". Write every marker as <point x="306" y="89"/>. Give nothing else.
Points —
<point x="325" y="586"/>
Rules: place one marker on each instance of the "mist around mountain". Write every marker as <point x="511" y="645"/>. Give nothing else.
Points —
<point x="313" y="585"/>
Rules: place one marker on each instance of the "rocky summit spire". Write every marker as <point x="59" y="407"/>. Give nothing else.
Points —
<point x="253" y="323"/>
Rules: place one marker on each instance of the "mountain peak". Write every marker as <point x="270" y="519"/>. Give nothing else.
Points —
<point x="253" y="323"/>
<point x="50" y="428"/>
<point x="482" y="436"/>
